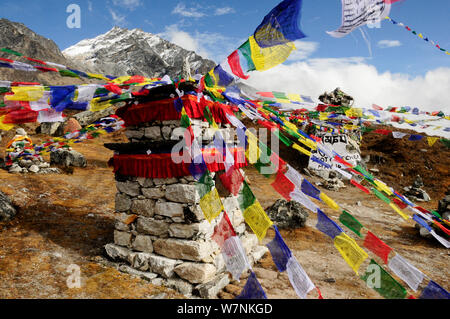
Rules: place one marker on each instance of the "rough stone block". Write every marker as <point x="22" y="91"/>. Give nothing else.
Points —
<point x="139" y="261"/>
<point x="210" y="289"/>
<point x="162" y="265"/>
<point x="168" y="209"/>
<point x="123" y="202"/>
<point x="153" y="193"/>
<point x="153" y="133"/>
<point x="145" y="182"/>
<point x="164" y="181"/>
<point x="129" y="188"/>
<point x="179" y="285"/>
<point x="184" y="249"/>
<point x="151" y="226"/>
<point x="117" y="252"/>
<point x="196" y="273"/>
<point x="143" y="243"/>
<point x="122" y="238"/>
<point x="188" y="231"/>
<point x="144" y="207"/>
<point x="182" y="193"/>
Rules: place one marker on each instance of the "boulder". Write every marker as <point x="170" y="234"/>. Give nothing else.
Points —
<point x="52" y="129"/>
<point x="287" y="214"/>
<point x="67" y="158"/>
<point x="71" y="126"/>
<point x="7" y="210"/>
<point x="89" y="117"/>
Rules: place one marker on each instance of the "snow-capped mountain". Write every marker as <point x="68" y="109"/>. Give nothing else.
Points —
<point x="135" y="52"/>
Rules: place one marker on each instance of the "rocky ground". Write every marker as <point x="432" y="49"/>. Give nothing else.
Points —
<point x="66" y="219"/>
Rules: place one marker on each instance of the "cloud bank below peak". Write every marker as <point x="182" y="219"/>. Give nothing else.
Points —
<point x="359" y="79"/>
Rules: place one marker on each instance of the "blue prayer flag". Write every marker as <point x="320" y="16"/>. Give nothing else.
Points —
<point x="327" y="226"/>
<point x="310" y="190"/>
<point x="279" y="250"/>
<point x="280" y="25"/>
<point x="415" y="137"/>
<point x="252" y="289"/>
<point x="434" y="291"/>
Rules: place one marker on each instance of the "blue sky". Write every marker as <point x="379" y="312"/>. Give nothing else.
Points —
<point x="232" y="21"/>
<point x="216" y="28"/>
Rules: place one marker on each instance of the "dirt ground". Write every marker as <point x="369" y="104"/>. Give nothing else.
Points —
<point x="66" y="220"/>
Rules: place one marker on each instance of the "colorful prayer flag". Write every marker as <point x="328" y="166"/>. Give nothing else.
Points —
<point x="350" y="251"/>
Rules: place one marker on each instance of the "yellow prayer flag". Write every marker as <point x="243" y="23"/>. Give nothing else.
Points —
<point x="267" y="58"/>
<point x="297" y="147"/>
<point x="431" y="140"/>
<point x="306" y="141"/>
<point x="399" y="211"/>
<point x="295" y="97"/>
<point x="121" y="79"/>
<point x="383" y="187"/>
<point x="283" y="101"/>
<point x="327" y="200"/>
<point x="96" y="105"/>
<point x="354" y="112"/>
<point x="98" y="76"/>
<point x="257" y="219"/>
<point x="211" y="205"/>
<point x="3" y="126"/>
<point x="350" y="251"/>
<point x="253" y="152"/>
<point x="323" y="116"/>
<point x="26" y="93"/>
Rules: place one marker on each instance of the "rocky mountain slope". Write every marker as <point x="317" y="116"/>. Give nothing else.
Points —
<point x="122" y="51"/>
<point x="18" y="37"/>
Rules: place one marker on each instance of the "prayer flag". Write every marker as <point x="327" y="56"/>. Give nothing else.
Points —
<point x="257" y="219"/>
<point x="279" y="250"/>
<point x="223" y="230"/>
<point x="211" y="205"/>
<point x="280" y="25"/>
<point x="384" y="284"/>
<point x="351" y="222"/>
<point x="377" y="246"/>
<point x="299" y="279"/>
<point x="252" y="289"/>
<point x="327" y="200"/>
<point x="234" y="256"/>
<point x="327" y="226"/>
<point x="434" y="291"/>
<point x="350" y="251"/>
<point x="404" y="270"/>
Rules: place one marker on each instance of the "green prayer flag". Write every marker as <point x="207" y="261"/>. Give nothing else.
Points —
<point x="11" y="51"/>
<point x="247" y="53"/>
<point x="381" y="196"/>
<point x="280" y="95"/>
<point x="358" y="168"/>
<point x="351" y="223"/>
<point x="246" y="197"/>
<point x="4" y="90"/>
<point x="185" y="121"/>
<point x="446" y="142"/>
<point x="68" y="73"/>
<point x="285" y="140"/>
<point x="382" y="282"/>
<point x="205" y="184"/>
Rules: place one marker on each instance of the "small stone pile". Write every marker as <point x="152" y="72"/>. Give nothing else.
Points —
<point x="161" y="233"/>
<point x="28" y="163"/>
<point x="415" y="192"/>
<point x="286" y="214"/>
<point x="7" y="210"/>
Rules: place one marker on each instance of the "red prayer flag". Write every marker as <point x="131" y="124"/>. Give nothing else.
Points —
<point x="355" y="183"/>
<point x="223" y="230"/>
<point x="283" y="186"/>
<point x="6" y="60"/>
<point x="399" y="203"/>
<point x="423" y="210"/>
<point x="384" y="132"/>
<point x="232" y="180"/>
<point x="377" y="246"/>
<point x="266" y="94"/>
<point x="235" y="65"/>
<point x="35" y="60"/>
<point x="44" y="69"/>
<point x="113" y="88"/>
<point x="376" y="107"/>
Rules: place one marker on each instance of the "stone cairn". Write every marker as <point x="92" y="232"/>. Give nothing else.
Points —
<point x="161" y="234"/>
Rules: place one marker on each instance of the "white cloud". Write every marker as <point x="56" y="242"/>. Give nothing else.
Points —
<point x="182" y="10"/>
<point x="389" y="43"/>
<point x="359" y="79"/>
<point x="118" y="19"/>
<point x="128" y="4"/>
<point x="223" y="11"/>
<point x="214" y="46"/>
<point x="304" y="50"/>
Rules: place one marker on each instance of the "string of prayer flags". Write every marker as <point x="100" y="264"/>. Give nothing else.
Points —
<point x="434" y="291"/>
<point x="420" y="35"/>
<point x="252" y="289"/>
<point x="350" y="251"/>
<point x="257" y="219"/>
<point x="279" y="250"/>
<point x="327" y="226"/>
<point x="351" y="223"/>
<point x="211" y="205"/>
<point x="405" y="271"/>
<point x="377" y="246"/>
<point x="399" y="211"/>
<point x="382" y="282"/>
